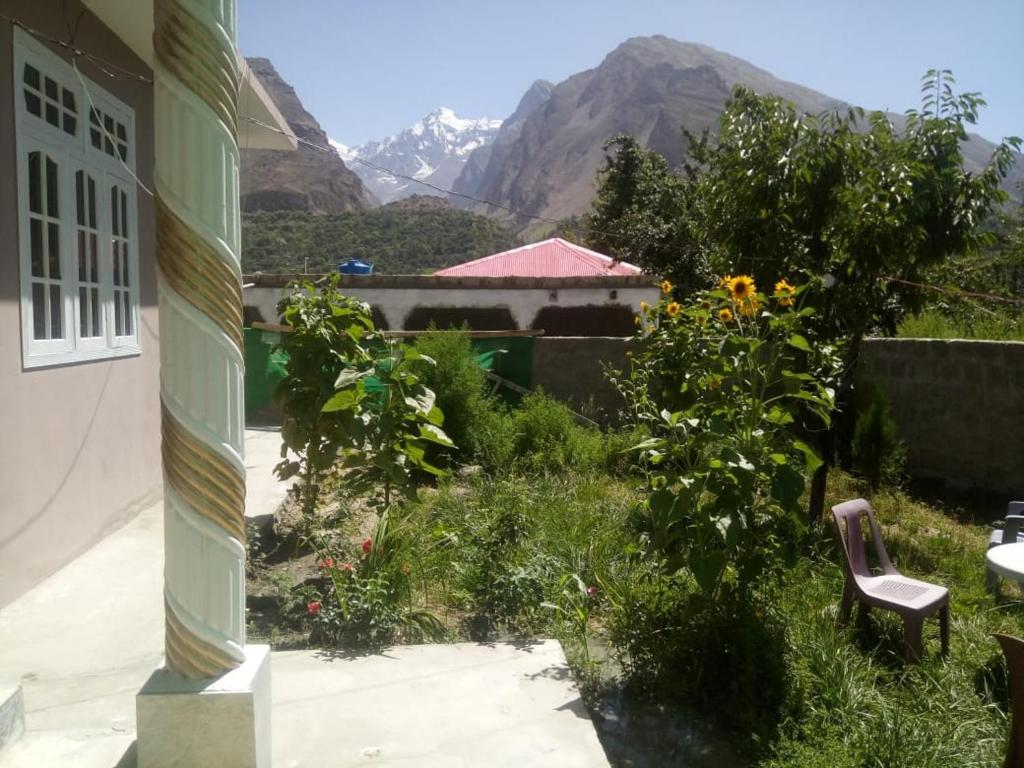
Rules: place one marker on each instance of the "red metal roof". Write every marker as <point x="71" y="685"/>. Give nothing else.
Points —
<point x="549" y="258"/>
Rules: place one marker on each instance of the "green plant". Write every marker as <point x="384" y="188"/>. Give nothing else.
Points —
<point x="877" y="449"/>
<point x="399" y="422"/>
<point x="574" y="603"/>
<point x="547" y="437"/>
<point x="738" y="382"/>
<point x="459" y="384"/>
<point x="327" y="338"/>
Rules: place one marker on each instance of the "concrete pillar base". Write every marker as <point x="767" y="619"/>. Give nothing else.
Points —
<point x="224" y="721"/>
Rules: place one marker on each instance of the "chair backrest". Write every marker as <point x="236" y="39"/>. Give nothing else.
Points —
<point x="1015" y="508"/>
<point x="847" y="517"/>
<point x="1013" y="649"/>
<point x="1013" y="522"/>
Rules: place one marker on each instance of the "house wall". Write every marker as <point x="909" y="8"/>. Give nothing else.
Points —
<point x="572" y="370"/>
<point x="401" y="298"/>
<point x="79" y="443"/>
<point x="958" y="406"/>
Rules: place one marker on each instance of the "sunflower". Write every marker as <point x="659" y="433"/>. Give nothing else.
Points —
<point x="749" y="307"/>
<point x="724" y="282"/>
<point x="636" y="320"/>
<point x="705" y="304"/>
<point x="725" y="315"/>
<point x="742" y="288"/>
<point x="644" y="306"/>
<point x="666" y="286"/>
<point x="673" y="309"/>
<point x="784" y="292"/>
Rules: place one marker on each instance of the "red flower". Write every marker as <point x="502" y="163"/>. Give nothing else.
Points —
<point x="327" y="562"/>
<point x="314" y="607"/>
<point x="346" y="567"/>
<point x="591" y="591"/>
<point x="367" y="546"/>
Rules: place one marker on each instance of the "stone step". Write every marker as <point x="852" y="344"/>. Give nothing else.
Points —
<point x="82" y="749"/>
<point x="12" y="714"/>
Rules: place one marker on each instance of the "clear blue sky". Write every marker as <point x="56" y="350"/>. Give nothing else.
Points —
<point x="368" y="68"/>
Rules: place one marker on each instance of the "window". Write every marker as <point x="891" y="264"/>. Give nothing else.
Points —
<point x="78" y="229"/>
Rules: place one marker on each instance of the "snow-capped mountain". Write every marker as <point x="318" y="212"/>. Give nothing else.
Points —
<point x="433" y="150"/>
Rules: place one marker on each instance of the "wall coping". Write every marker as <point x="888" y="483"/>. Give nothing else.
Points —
<point x="436" y="282"/>
<point x="975" y="342"/>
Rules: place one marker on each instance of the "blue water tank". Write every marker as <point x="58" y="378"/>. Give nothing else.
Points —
<point x="355" y="267"/>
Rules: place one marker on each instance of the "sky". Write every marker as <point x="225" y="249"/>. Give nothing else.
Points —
<point x="367" y="69"/>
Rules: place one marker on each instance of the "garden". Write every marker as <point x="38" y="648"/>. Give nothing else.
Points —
<point x="684" y="556"/>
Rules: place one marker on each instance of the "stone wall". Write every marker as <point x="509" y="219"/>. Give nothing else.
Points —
<point x="570" y="369"/>
<point x="959" y="407"/>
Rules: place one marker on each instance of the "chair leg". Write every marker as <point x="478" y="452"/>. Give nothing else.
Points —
<point x="846" y="606"/>
<point x="991" y="580"/>
<point x="944" y="628"/>
<point x="913" y="627"/>
<point x="863" y="611"/>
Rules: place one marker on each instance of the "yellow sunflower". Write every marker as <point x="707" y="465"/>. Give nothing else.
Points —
<point x="673" y="309"/>
<point x="636" y="320"/>
<point x="725" y="315"/>
<point x="705" y="304"/>
<point x="742" y="288"/>
<point x="644" y="306"/>
<point x="749" y="307"/>
<point x="724" y="282"/>
<point x="666" y="286"/>
<point x="784" y="292"/>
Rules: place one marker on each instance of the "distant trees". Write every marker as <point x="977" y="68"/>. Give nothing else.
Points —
<point x="853" y="204"/>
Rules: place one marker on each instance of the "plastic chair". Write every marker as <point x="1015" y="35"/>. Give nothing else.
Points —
<point x="913" y="600"/>
<point x="1013" y="649"/>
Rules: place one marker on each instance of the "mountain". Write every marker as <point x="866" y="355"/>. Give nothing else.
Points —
<point x="306" y="179"/>
<point x="433" y="150"/>
<point x="650" y="87"/>
<point x="474" y="172"/>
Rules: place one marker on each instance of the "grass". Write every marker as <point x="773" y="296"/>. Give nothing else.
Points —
<point x="931" y="324"/>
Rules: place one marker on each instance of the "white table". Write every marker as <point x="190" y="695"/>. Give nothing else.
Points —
<point x="1006" y="560"/>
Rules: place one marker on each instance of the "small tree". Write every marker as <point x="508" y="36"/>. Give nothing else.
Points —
<point x="327" y="338"/>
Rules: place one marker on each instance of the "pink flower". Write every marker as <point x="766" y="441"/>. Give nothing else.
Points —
<point x="591" y="591"/>
<point x="327" y="562"/>
<point x="346" y="567"/>
<point x="314" y="607"/>
<point x="367" y="546"/>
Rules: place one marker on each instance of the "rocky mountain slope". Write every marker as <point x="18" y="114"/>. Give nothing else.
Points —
<point x="650" y="87"/>
<point x="433" y="150"/>
<point x="306" y="179"/>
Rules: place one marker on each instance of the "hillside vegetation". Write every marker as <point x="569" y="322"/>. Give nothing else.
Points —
<point x="396" y="241"/>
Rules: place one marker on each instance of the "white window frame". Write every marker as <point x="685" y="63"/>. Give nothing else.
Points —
<point x="74" y="153"/>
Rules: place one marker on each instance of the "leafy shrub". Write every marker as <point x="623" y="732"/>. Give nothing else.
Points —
<point x="459" y="385"/>
<point x="547" y="437"/>
<point x="877" y="449"/>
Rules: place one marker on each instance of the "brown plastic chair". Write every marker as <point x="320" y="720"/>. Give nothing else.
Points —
<point x="1013" y="649"/>
<point x="913" y="600"/>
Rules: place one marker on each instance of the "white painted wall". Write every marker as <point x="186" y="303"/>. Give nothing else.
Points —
<point x="524" y="303"/>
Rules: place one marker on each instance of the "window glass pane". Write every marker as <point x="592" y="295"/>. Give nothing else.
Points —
<point x="51" y="88"/>
<point x="68" y="99"/>
<point x="122" y="132"/>
<point x="95" y="305"/>
<point x="35" y="203"/>
<point x="56" y="327"/>
<point x="118" y="322"/>
<point x="83" y="312"/>
<point x="127" y="313"/>
<point x="53" y="245"/>
<point x="92" y="203"/>
<point x="83" y="258"/>
<point x="94" y="116"/>
<point x="122" y="150"/>
<point x="52" y="115"/>
<point x="35" y="227"/>
<point x="38" y="311"/>
<point x="94" y="138"/>
<point x="115" y="220"/>
<point x="70" y="124"/>
<point x="108" y="147"/>
<point x="80" y="197"/>
<point x="51" y="188"/>
<point x="33" y="104"/>
<point x="94" y="274"/>
<point x="31" y="76"/>
<point x="124" y="265"/>
<point x="117" y="262"/>
<point x="124" y="215"/>
<point x="108" y="123"/>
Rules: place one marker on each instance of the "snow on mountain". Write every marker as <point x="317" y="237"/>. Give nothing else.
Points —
<point x="433" y="149"/>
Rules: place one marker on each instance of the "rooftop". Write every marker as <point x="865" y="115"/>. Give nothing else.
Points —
<point x="549" y="258"/>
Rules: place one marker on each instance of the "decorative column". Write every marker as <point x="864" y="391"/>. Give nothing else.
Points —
<point x="209" y="704"/>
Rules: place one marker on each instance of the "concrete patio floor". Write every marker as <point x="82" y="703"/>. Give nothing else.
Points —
<point x="83" y="642"/>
